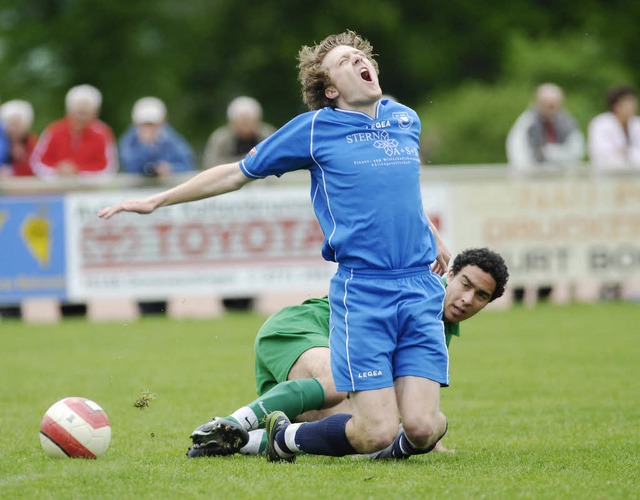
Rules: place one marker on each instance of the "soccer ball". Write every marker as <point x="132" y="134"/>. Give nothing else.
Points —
<point x="76" y="428"/>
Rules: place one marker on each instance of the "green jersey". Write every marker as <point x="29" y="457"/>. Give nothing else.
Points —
<point x="312" y="316"/>
<point x="294" y="330"/>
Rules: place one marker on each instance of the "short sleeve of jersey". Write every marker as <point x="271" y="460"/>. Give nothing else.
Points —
<point x="286" y="150"/>
<point x="451" y="329"/>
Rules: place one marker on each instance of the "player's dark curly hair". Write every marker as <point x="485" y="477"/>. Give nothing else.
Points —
<point x="487" y="260"/>
<point x="314" y="78"/>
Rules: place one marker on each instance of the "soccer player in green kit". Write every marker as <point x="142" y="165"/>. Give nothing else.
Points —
<point x="292" y="366"/>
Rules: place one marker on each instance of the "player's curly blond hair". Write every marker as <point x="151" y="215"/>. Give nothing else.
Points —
<point x="313" y="77"/>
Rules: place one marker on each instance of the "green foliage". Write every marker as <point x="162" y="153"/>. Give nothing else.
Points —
<point x="200" y="54"/>
<point x="469" y="123"/>
<point x="580" y="63"/>
<point x="542" y="405"/>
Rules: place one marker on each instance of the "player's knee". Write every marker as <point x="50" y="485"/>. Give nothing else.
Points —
<point x="332" y="397"/>
<point x="425" y="430"/>
<point x="420" y="435"/>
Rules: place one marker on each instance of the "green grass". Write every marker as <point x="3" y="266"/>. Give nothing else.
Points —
<point x="544" y="403"/>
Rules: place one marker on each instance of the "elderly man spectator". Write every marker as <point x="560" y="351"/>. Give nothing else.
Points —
<point x="244" y="130"/>
<point x="545" y="134"/>
<point x="79" y="144"/>
<point x="151" y="146"/>
<point x="614" y="136"/>
<point x="16" y="117"/>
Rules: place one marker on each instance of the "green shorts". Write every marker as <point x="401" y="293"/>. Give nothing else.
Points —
<point x="285" y="336"/>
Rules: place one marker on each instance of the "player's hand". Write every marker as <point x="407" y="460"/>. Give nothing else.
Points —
<point x="441" y="263"/>
<point x="163" y="169"/>
<point x="144" y="206"/>
<point x="67" y="168"/>
<point x="440" y="448"/>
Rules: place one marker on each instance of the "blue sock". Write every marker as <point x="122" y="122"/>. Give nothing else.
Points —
<point x="324" y="437"/>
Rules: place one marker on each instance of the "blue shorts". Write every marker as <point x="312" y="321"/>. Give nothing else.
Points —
<point x="386" y="324"/>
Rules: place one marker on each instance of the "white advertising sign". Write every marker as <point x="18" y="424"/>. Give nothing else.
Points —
<point x="246" y="242"/>
<point x="256" y="240"/>
<point x="555" y="230"/>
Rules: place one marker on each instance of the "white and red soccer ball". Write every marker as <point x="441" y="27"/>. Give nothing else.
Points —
<point x="75" y="427"/>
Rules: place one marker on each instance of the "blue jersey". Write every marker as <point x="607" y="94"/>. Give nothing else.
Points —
<point x="365" y="182"/>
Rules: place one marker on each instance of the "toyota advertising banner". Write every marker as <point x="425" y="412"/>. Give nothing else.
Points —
<point x="244" y="243"/>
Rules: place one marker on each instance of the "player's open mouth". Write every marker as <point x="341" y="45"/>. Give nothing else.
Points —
<point x="365" y="75"/>
<point x="458" y="310"/>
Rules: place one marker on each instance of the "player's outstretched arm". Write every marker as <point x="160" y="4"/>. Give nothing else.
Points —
<point x="212" y="182"/>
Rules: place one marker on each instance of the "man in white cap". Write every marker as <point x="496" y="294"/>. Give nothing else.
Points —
<point x="79" y="144"/>
<point x="151" y="146"/>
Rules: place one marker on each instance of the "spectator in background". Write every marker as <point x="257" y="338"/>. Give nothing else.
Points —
<point x="4" y="150"/>
<point x="78" y="144"/>
<point x="231" y="143"/>
<point x="16" y="117"/>
<point x="244" y="130"/>
<point x="545" y="134"/>
<point x="151" y="146"/>
<point x="614" y="136"/>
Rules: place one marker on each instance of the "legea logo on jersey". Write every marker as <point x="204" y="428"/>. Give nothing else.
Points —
<point x="382" y="124"/>
<point x="370" y="373"/>
<point x="404" y="120"/>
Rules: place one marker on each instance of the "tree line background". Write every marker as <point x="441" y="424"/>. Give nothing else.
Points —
<point x="469" y="67"/>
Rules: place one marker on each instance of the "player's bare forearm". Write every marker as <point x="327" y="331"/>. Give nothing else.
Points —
<point x="208" y="183"/>
<point x="212" y="182"/>
<point x="441" y="264"/>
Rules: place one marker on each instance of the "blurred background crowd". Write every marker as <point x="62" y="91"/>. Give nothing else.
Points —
<point x="80" y="144"/>
<point x="95" y="88"/>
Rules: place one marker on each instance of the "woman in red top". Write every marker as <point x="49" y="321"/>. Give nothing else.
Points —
<point x="79" y="144"/>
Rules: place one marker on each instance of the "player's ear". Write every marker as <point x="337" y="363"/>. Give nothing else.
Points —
<point x="449" y="274"/>
<point x="331" y="92"/>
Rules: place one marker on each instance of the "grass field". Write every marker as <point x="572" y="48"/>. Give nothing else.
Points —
<point x="544" y="403"/>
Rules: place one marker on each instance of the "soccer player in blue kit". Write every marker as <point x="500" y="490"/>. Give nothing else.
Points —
<point x="387" y="340"/>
